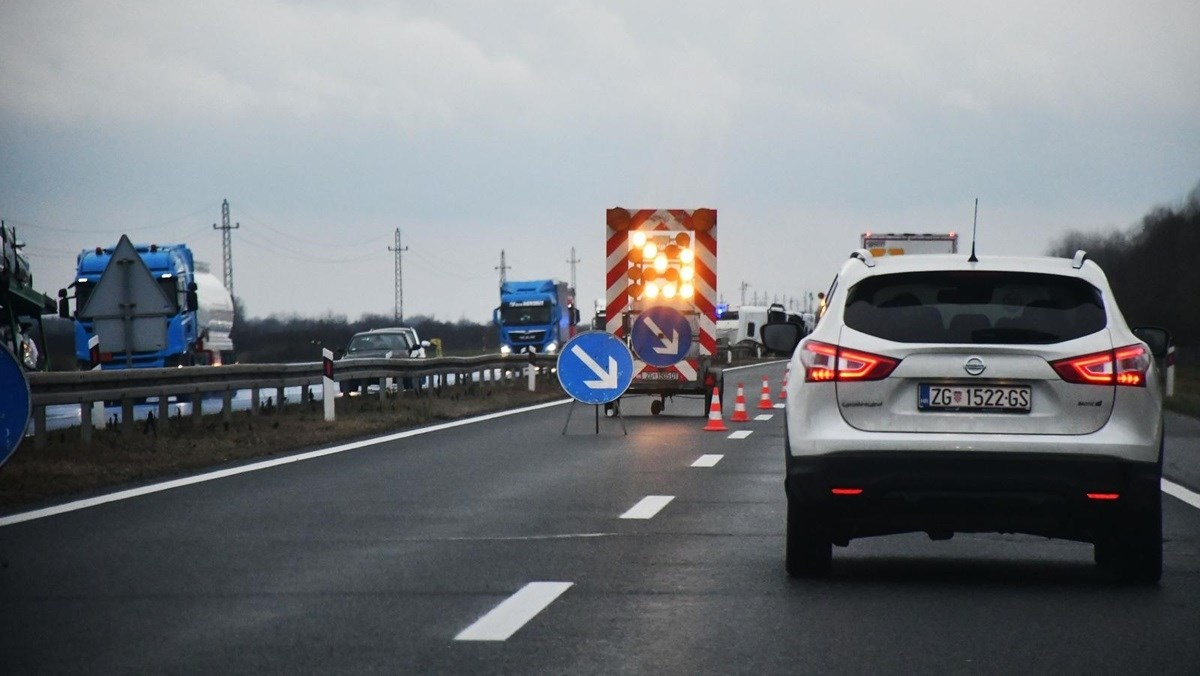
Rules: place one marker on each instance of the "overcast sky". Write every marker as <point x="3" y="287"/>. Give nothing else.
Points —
<point x="482" y="126"/>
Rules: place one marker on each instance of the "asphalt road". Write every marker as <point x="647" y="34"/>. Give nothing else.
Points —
<point x="382" y="558"/>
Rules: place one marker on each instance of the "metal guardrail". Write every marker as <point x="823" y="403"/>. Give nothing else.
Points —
<point x="87" y="387"/>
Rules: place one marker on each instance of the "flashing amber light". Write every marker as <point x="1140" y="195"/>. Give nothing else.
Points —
<point x="635" y="273"/>
<point x="687" y="291"/>
<point x="672" y="251"/>
<point x="683" y="239"/>
<point x="669" y="290"/>
<point x="651" y="291"/>
<point x="1103" y="496"/>
<point x="660" y="263"/>
<point x="638" y="239"/>
<point x="687" y="273"/>
<point x="846" y="491"/>
<point x="649" y="251"/>
<point x="671" y="275"/>
<point x="649" y="274"/>
<point x="635" y="255"/>
<point x="687" y="256"/>
<point x="636" y="290"/>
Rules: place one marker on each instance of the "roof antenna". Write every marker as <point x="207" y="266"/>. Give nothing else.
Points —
<point x="974" y="227"/>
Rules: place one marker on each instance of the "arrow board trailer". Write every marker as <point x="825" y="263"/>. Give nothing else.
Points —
<point x="662" y="269"/>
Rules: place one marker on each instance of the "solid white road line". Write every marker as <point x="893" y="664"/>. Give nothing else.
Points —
<point x="1173" y="489"/>
<point x="754" y="366"/>
<point x="707" y="460"/>
<point x="764" y="416"/>
<point x="514" y="612"/>
<point x="741" y="434"/>
<point x="254" y="467"/>
<point x="648" y="507"/>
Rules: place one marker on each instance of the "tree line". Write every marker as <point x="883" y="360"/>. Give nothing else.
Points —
<point x="1152" y="267"/>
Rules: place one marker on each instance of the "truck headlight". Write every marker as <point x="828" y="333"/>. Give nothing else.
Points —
<point x="505" y="350"/>
<point x="551" y="347"/>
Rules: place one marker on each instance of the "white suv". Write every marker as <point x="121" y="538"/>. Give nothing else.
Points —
<point x="938" y="394"/>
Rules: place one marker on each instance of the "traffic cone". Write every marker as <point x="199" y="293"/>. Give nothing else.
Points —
<point x="739" y="407"/>
<point x="783" y="387"/>
<point x="715" y="424"/>
<point x="764" y="402"/>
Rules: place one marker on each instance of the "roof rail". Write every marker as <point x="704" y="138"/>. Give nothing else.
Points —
<point x="1080" y="257"/>
<point x="864" y="256"/>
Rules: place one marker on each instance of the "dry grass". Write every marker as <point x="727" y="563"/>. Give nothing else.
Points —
<point x="66" y="467"/>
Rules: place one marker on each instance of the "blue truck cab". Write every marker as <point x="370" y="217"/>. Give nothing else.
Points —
<point x="537" y="316"/>
<point x="173" y="268"/>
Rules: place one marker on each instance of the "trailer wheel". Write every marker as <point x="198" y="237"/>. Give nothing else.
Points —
<point x="657" y="407"/>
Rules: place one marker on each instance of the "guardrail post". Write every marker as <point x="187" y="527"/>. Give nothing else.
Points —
<point x="227" y="406"/>
<point x="164" y="412"/>
<point x="197" y="409"/>
<point x="383" y="388"/>
<point x="126" y="416"/>
<point x="85" y="422"/>
<point x="39" y="426"/>
<point x="279" y="399"/>
<point x="255" y="404"/>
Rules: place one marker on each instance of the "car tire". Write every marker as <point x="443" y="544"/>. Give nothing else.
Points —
<point x="1134" y="552"/>
<point x="808" y="549"/>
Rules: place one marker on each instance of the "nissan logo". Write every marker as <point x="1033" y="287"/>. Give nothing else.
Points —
<point x="974" y="366"/>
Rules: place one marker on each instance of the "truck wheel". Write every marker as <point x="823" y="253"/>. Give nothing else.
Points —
<point x="808" y="550"/>
<point x="656" y="407"/>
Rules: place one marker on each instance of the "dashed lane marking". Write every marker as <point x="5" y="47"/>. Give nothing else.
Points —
<point x="648" y="507"/>
<point x="780" y="405"/>
<point x="1175" y="490"/>
<point x="741" y="434"/>
<point x="764" y="416"/>
<point x="707" y="460"/>
<point x="514" y="612"/>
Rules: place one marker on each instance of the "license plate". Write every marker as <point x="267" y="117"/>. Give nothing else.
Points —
<point x="996" y="398"/>
<point x="657" y="375"/>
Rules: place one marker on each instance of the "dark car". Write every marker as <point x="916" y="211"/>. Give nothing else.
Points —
<point x="393" y="343"/>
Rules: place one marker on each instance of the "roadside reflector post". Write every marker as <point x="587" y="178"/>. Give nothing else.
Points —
<point x="1170" y="392"/>
<point x="97" y="413"/>
<point x="327" y="382"/>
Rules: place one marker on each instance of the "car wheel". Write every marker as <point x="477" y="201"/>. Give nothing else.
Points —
<point x="809" y="550"/>
<point x="656" y="407"/>
<point x="1134" y="552"/>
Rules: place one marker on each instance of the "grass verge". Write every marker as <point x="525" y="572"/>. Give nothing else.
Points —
<point x="66" y="467"/>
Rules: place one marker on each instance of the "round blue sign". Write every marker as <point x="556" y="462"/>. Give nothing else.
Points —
<point x="661" y="336"/>
<point x="595" y="367"/>
<point x="14" y="403"/>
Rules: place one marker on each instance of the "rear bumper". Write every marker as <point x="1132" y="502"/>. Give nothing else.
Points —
<point x="943" y="493"/>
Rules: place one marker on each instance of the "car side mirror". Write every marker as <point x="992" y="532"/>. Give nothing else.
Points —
<point x="193" y="302"/>
<point x="781" y="338"/>
<point x="496" y="316"/>
<point x="1157" y="339"/>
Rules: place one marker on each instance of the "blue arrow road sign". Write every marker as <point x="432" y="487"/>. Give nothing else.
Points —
<point x="14" y="403"/>
<point x="661" y="336"/>
<point x="595" y="367"/>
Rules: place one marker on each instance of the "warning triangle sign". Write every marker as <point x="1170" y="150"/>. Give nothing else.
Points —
<point x="126" y="289"/>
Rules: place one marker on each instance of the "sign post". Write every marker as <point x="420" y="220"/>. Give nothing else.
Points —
<point x="15" y="403"/>
<point x="327" y="384"/>
<point x="595" y="368"/>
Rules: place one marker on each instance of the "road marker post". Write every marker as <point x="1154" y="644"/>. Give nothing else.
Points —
<point x="327" y="384"/>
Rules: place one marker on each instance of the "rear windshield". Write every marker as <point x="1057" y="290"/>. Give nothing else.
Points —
<point x="975" y="307"/>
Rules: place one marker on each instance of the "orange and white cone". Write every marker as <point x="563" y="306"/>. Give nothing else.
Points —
<point x="764" y="402"/>
<point x="715" y="424"/>
<point x="739" y="407"/>
<point x="783" y="387"/>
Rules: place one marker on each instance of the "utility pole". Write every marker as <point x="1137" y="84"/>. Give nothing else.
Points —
<point x="398" y="312"/>
<point x="573" y="260"/>
<point x="227" y="244"/>
<point x="744" y="286"/>
<point x="503" y="269"/>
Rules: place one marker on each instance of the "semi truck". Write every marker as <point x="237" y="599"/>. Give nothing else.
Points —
<point x="21" y="307"/>
<point x="536" y="316"/>
<point x="215" y="314"/>
<point x="173" y="270"/>
<point x="661" y="296"/>
<point x="900" y="243"/>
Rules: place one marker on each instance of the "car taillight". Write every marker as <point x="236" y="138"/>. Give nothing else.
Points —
<point x="1123" y="366"/>
<point x="824" y="363"/>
